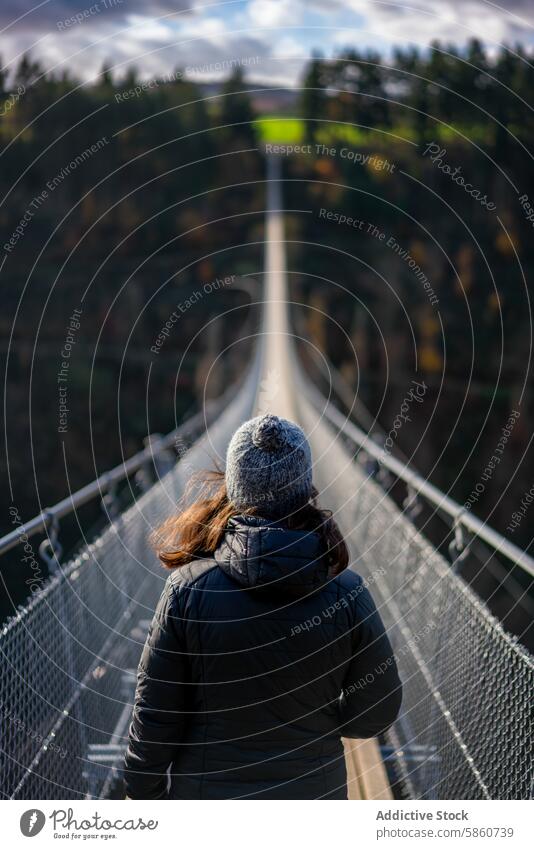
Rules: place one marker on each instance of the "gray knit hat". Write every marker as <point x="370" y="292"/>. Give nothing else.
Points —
<point x="269" y="466"/>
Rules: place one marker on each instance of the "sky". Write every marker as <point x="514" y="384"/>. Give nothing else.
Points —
<point x="271" y="39"/>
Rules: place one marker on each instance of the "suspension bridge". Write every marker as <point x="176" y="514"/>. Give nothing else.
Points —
<point x="69" y="655"/>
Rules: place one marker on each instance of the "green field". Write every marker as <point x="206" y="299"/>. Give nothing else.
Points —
<point x="275" y="129"/>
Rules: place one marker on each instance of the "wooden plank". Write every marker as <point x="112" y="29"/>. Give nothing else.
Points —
<point x="353" y="777"/>
<point x="366" y="774"/>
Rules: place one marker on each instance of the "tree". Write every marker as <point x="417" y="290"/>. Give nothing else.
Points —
<point x="28" y="72"/>
<point x="3" y="77"/>
<point x="414" y="88"/>
<point x="312" y="104"/>
<point x="106" y="76"/>
<point x="236" y="109"/>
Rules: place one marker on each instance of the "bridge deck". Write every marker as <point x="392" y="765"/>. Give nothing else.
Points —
<point x="465" y="728"/>
<point x="367" y="777"/>
<point x="366" y="774"/>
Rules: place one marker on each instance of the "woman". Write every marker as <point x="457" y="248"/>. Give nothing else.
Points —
<point x="264" y="649"/>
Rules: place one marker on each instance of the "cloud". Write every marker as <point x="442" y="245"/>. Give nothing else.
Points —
<point x="81" y="34"/>
<point x="158" y="35"/>
<point x="119" y="33"/>
<point x="447" y="20"/>
<point x="40" y="17"/>
<point x="275" y="13"/>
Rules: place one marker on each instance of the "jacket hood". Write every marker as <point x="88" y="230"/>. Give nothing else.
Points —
<point x="262" y="553"/>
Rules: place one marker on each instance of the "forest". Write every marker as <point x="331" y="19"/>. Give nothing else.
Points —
<point x="410" y="215"/>
<point x="429" y="155"/>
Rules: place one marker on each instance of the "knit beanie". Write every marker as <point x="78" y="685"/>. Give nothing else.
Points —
<point x="269" y="466"/>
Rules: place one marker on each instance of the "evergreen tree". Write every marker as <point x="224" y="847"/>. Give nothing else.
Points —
<point x="313" y="97"/>
<point x="237" y="114"/>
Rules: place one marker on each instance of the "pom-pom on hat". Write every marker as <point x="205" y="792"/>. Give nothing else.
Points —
<point x="269" y="466"/>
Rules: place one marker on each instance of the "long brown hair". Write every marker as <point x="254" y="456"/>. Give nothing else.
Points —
<point x="198" y="528"/>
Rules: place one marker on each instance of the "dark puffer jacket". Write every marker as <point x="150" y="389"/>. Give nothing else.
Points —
<point x="254" y="667"/>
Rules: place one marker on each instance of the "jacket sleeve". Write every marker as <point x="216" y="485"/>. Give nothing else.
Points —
<point x="158" y="715"/>
<point x="372" y="691"/>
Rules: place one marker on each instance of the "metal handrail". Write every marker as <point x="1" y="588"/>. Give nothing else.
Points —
<point x="108" y="480"/>
<point x="431" y="493"/>
<point x="99" y="487"/>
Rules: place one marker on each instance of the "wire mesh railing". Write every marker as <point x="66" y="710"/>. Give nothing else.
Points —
<point x="465" y="729"/>
<point x="63" y="658"/>
<point x="69" y="655"/>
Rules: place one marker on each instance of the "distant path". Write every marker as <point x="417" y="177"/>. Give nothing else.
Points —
<point x="277" y="393"/>
<point x="276" y="390"/>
